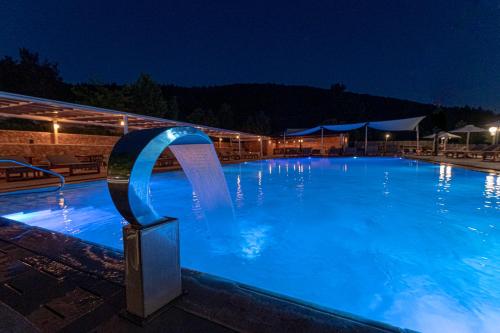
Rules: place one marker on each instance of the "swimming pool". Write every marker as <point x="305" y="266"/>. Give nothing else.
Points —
<point x="413" y="244"/>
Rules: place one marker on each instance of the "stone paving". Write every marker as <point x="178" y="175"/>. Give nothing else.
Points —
<point x="50" y="282"/>
<point x="470" y="163"/>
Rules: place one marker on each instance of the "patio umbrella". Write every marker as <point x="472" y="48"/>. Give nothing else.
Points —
<point x="469" y="129"/>
<point x="442" y="135"/>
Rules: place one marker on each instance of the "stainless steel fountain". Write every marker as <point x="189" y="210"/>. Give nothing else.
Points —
<point x="151" y="241"/>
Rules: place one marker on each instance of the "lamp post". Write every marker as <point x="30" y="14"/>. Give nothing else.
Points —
<point x="124" y="124"/>
<point x="493" y="131"/>
<point x="260" y="142"/>
<point x="56" y="127"/>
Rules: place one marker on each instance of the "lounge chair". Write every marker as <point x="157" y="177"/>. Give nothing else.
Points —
<point x="334" y="151"/>
<point x="350" y="151"/>
<point x="73" y="164"/>
<point x="15" y="171"/>
<point x="316" y="152"/>
<point x="306" y="151"/>
<point x="480" y="152"/>
<point x="224" y="156"/>
<point x="164" y="162"/>
<point x="492" y="154"/>
<point x="372" y="151"/>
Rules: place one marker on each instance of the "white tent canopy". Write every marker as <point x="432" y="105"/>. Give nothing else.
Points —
<point x="306" y="131"/>
<point x="408" y="124"/>
<point x="344" y="127"/>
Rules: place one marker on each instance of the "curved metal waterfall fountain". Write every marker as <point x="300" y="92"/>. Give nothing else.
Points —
<point x="151" y="241"/>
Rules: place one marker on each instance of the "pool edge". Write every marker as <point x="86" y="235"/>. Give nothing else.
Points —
<point x="228" y="303"/>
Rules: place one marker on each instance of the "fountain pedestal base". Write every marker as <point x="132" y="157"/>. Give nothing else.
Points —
<point x="152" y="266"/>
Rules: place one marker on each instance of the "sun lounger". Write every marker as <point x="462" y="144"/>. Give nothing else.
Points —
<point x="73" y="164"/>
<point x="350" y="151"/>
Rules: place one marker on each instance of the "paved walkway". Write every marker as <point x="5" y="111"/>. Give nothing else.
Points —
<point x="463" y="162"/>
<point x="50" y="282"/>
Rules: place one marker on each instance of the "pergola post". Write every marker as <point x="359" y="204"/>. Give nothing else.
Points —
<point x="322" y="145"/>
<point x="239" y="145"/>
<point x="260" y="141"/>
<point x="418" y="138"/>
<point x="366" y="139"/>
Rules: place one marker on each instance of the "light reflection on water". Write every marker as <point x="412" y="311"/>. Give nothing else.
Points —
<point x="413" y="244"/>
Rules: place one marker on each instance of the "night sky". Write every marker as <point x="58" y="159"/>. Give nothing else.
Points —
<point x="431" y="51"/>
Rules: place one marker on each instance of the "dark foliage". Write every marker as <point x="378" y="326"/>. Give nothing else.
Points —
<point x="258" y="108"/>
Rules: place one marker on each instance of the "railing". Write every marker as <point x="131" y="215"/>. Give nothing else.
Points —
<point x="27" y="165"/>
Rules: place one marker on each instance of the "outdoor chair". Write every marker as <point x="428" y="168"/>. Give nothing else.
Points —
<point x="73" y="164"/>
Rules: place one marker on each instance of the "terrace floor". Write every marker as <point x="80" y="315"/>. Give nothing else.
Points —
<point x="50" y="282"/>
<point x="471" y="163"/>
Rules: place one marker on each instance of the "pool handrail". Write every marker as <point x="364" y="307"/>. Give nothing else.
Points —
<point x="27" y="165"/>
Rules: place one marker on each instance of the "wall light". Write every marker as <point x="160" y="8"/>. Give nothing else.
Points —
<point x="122" y="123"/>
<point x="56" y="126"/>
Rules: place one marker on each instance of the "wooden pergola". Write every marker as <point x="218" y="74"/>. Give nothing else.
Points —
<point x="57" y="112"/>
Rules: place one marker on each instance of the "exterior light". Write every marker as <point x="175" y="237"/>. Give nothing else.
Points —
<point x="122" y="123"/>
<point x="259" y="139"/>
<point x="493" y="130"/>
<point x="237" y="137"/>
<point x="56" y="126"/>
<point x="220" y="139"/>
<point x="387" y="136"/>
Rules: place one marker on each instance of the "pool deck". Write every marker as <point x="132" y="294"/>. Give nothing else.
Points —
<point x="50" y="282"/>
<point x="469" y="163"/>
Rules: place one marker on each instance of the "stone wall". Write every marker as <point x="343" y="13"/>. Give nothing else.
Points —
<point x="28" y="137"/>
<point x="37" y="145"/>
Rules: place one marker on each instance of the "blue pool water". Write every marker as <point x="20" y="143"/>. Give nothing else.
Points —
<point x="412" y="244"/>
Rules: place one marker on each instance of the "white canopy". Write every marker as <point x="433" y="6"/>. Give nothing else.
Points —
<point x="307" y="131"/>
<point x="408" y="124"/>
<point x="344" y="127"/>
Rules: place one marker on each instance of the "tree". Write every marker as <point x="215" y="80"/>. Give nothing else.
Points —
<point x="146" y="97"/>
<point x="203" y="117"/>
<point x="225" y="116"/>
<point x="337" y="88"/>
<point x="30" y="76"/>
<point x="173" y="108"/>
<point x="259" y="123"/>
<point x="100" y="95"/>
